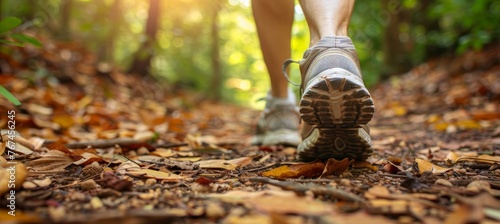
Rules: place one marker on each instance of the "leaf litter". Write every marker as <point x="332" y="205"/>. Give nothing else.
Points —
<point x="121" y="148"/>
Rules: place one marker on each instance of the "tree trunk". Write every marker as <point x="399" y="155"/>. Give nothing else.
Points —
<point x="115" y="20"/>
<point x="217" y="76"/>
<point x="65" y="10"/>
<point x="142" y="57"/>
<point x="396" y="52"/>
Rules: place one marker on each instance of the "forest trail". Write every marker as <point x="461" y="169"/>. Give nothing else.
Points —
<point x="117" y="148"/>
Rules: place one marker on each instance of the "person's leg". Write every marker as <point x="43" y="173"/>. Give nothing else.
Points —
<point x="274" y="19"/>
<point x="327" y="18"/>
<point x="279" y="122"/>
<point x="335" y="105"/>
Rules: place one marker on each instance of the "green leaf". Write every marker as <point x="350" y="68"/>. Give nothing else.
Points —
<point x="26" y="39"/>
<point x="9" y="23"/>
<point x="11" y="43"/>
<point x="9" y="96"/>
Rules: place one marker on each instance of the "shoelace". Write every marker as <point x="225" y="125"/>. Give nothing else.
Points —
<point x="285" y="73"/>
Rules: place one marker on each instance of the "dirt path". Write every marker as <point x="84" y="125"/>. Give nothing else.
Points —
<point x="118" y="150"/>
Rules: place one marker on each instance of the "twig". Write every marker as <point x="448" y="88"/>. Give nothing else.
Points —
<point x="301" y="189"/>
<point x="262" y="167"/>
<point x="394" y="175"/>
<point x="311" y="180"/>
<point x="170" y="145"/>
<point x="104" y="143"/>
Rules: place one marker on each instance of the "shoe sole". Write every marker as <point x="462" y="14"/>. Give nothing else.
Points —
<point x="336" y="103"/>
<point x="282" y="137"/>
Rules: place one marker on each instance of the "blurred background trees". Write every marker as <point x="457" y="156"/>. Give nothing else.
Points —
<point x="211" y="45"/>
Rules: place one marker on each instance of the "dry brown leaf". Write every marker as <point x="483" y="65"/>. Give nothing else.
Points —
<point x="307" y="170"/>
<point x="127" y="167"/>
<point x="15" y="143"/>
<point x="424" y="165"/>
<point x="144" y="135"/>
<point x="486" y="115"/>
<point x="364" y="164"/>
<point x="159" y="175"/>
<point x="376" y="192"/>
<point x="225" y="164"/>
<point x="336" y="167"/>
<point x="88" y="158"/>
<point x="190" y="159"/>
<point x="64" y="149"/>
<point x="161" y="152"/>
<point x="357" y="218"/>
<point x="481" y="159"/>
<point x="290" y="205"/>
<point x="53" y="161"/>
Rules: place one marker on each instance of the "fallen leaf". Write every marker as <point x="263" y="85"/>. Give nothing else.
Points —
<point x="63" y="120"/>
<point x="53" y="161"/>
<point x="290" y="205"/>
<point x="21" y="217"/>
<point x="364" y="164"/>
<point x="424" y="165"/>
<point x="8" y="171"/>
<point x="336" y="167"/>
<point x="486" y="115"/>
<point x="88" y="158"/>
<point x="307" y="170"/>
<point x="159" y="175"/>
<point x="161" y="152"/>
<point x="377" y="191"/>
<point x="225" y="164"/>
<point x="481" y="159"/>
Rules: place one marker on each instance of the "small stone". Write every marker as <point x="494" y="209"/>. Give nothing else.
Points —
<point x="215" y="210"/>
<point x="150" y="182"/>
<point x="96" y="203"/>
<point x="443" y="182"/>
<point x="143" y="151"/>
<point x="57" y="214"/>
<point x="479" y="185"/>
<point x="88" y="185"/>
<point x="345" y="182"/>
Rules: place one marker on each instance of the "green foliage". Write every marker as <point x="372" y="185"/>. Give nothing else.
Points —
<point x="183" y="55"/>
<point x="7" y="32"/>
<point x="9" y="37"/>
<point x="4" y="92"/>
<point x="464" y="24"/>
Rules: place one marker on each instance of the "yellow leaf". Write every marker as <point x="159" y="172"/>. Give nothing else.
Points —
<point x="307" y="170"/>
<point x="442" y="126"/>
<point x="468" y="124"/>
<point x="64" y="120"/>
<point x="433" y="118"/>
<point x="424" y="165"/>
<point x="18" y="170"/>
<point x="399" y="111"/>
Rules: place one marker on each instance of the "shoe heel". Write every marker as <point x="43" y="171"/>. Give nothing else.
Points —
<point x="336" y="98"/>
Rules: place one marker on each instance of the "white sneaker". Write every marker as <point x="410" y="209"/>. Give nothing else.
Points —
<point x="278" y="123"/>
